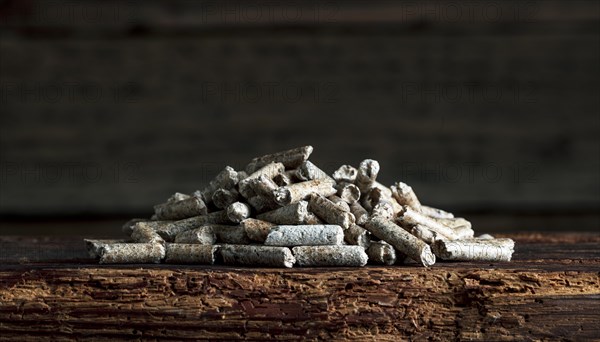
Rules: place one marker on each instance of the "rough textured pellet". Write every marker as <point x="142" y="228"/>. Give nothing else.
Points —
<point x="381" y="252"/>
<point x="132" y="253"/>
<point x="330" y="212"/>
<point x="252" y="255"/>
<point x="182" y="253"/>
<point x="348" y="192"/>
<point x="367" y="173"/>
<point x="356" y="235"/>
<point x="305" y="235"/>
<point x="226" y="179"/>
<point x="485" y="237"/>
<point x="262" y="204"/>
<point x="475" y="249"/>
<point x="345" y="173"/>
<point x="231" y="234"/>
<point x="238" y="211"/>
<point x="289" y="214"/>
<point x="452" y="222"/>
<point x="405" y="195"/>
<point x="127" y="227"/>
<point x="256" y="230"/>
<point x="269" y="171"/>
<point x="411" y="217"/>
<point x="178" y="196"/>
<point x="169" y="230"/>
<point x="202" y="236"/>
<point x="463" y="232"/>
<point x="311" y="218"/>
<point x="426" y="234"/>
<point x="222" y="198"/>
<point x="144" y="233"/>
<point x="189" y="207"/>
<point x="94" y="246"/>
<point x="402" y="240"/>
<point x="284" y="178"/>
<point x="435" y="212"/>
<point x="339" y="202"/>
<point x="291" y="159"/>
<point x="342" y="255"/>
<point x="361" y="215"/>
<point x="383" y="209"/>
<point x="309" y="171"/>
<point x="378" y="195"/>
<point x="296" y="192"/>
<point x="263" y="186"/>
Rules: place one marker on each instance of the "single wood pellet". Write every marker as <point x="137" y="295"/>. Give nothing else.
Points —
<point x="251" y="217"/>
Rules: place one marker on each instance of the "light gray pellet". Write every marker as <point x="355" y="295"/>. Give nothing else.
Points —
<point x="144" y="233"/>
<point x="383" y="209"/>
<point x="183" y="253"/>
<point x="291" y="159"/>
<point x="309" y="171"/>
<point x="263" y="186"/>
<point x="296" y="192"/>
<point x="411" y="217"/>
<point x="485" y="237"/>
<point x="202" y="236"/>
<point x="463" y="232"/>
<point x="435" y="212"/>
<point x="475" y="249"/>
<point x="226" y="179"/>
<point x="238" y="211"/>
<point x="358" y="236"/>
<point x="255" y="255"/>
<point x="222" y="198"/>
<point x="361" y="215"/>
<point x="94" y="246"/>
<point x="405" y="195"/>
<point x="290" y="214"/>
<point x="330" y="212"/>
<point x="269" y="171"/>
<point x="256" y="230"/>
<point x="305" y="235"/>
<point x="426" y="234"/>
<point x="343" y="255"/>
<point x="132" y="253"/>
<point x="311" y="218"/>
<point x="345" y="173"/>
<point x="381" y="252"/>
<point x="189" y="207"/>
<point x="402" y="240"/>
<point x="127" y="227"/>
<point x="170" y="230"/>
<point x="339" y="202"/>
<point x="176" y="197"/>
<point x="367" y="173"/>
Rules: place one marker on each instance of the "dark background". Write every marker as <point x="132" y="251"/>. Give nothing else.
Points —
<point x="489" y="109"/>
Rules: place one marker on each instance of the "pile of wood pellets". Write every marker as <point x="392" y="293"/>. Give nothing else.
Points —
<point x="283" y="210"/>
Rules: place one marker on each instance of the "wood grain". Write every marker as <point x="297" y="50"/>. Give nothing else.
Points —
<point x="550" y="291"/>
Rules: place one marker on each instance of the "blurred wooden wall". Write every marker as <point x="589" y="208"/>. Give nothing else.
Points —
<point x="108" y="106"/>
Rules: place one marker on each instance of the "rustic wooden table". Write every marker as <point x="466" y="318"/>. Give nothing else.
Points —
<point x="50" y="289"/>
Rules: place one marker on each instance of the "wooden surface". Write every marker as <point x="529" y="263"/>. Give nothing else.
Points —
<point x="111" y="106"/>
<point x="551" y="291"/>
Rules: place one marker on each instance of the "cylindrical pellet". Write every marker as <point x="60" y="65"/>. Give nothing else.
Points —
<point x="348" y="192"/>
<point x="127" y="227"/>
<point x="238" y="211"/>
<point x="291" y="159"/>
<point x="463" y="232"/>
<point x="189" y="207"/>
<point x="262" y="204"/>
<point x="426" y="234"/>
<point x="226" y="179"/>
<point x="170" y="230"/>
<point x="231" y="234"/>
<point x="475" y="249"/>
<point x="144" y="233"/>
<point x="178" y="196"/>
<point x="381" y="252"/>
<point x="345" y="173"/>
<point x="202" y="236"/>
<point x="367" y="173"/>
<point x="182" y="253"/>
<point x="411" y="217"/>
<point x="222" y="198"/>
<point x="383" y="209"/>
<point x="452" y="222"/>
<point x="342" y="255"/>
<point x="311" y="218"/>
<point x="361" y="215"/>
<point x="402" y="240"/>
<point x="485" y="237"/>
<point x="378" y="195"/>
<point x="306" y="235"/>
<point x="358" y="236"/>
<point x="296" y="192"/>
<point x="339" y="202"/>
<point x="263" y="186"/>
<point x="405" y="195"/>
<point x="94" y="246"/>
<point x="290" y="214"/>
<point x="309" y="171"/>
<point x="435" y="212"/>
<point x="256" y="230"/>
<point x="330" y="212"/>
<point x="269" y="171"/>
<point x="132" y="253"/>
<point x="285" y="178"/>
<point x="253" y="255"/>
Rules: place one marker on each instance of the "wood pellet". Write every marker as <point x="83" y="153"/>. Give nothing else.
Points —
<point x="283" y="210"/>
